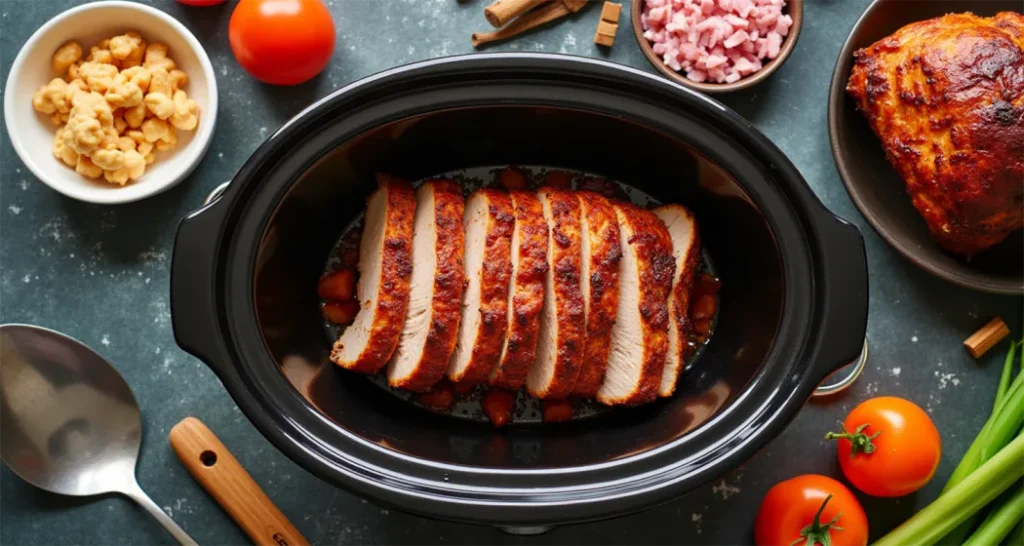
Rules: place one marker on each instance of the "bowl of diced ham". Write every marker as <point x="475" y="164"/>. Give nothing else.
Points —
<point x="716" y="46"/>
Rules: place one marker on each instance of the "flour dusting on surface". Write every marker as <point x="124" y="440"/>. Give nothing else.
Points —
<point x="15" y="209"/>
<point x="724" y="489"/>
<point x="695" y="518"/>
<point x="895" y="371"/>
<point x="914" y="339"/>
<point x="946" y="379"/>
<point x="105" y="340"/>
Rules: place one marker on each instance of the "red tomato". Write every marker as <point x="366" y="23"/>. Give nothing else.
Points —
<point x="556" y="411"/>
<point x="282" y="42"/>
<point x="889" y="447"/>
<point x="440" y="397"/>
<point x="805" y="509"/>
<point x="340" y="312"/>
<point x="201" y="2"/>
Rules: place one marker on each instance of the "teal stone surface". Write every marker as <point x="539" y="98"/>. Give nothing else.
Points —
<point x="100" y="274"/>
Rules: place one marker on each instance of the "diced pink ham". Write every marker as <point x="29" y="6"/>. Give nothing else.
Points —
<point x="715" y="40"/>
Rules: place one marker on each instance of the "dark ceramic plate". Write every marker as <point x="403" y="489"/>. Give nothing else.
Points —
<point x="875" y="187"/>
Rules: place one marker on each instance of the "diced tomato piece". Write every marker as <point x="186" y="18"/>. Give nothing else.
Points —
<point x="339" y="286"/>
<point x="511" y="179"/>
<point x="440" y="397"/>
<point x="558" y="179"/>
<point x="707" y="284"/>
<point x="498" y="406"/>
<point x="556" y="411"/>
<point x="704" y="307"/>
<point x="463" y="387"/>
<point x="340" y="312"/>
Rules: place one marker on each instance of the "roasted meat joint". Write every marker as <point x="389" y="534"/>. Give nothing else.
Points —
<point x="946" y="98"/>
<point x="565" y="294"/>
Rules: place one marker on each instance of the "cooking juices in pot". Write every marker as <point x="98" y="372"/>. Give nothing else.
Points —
<point x="477" y="402"/>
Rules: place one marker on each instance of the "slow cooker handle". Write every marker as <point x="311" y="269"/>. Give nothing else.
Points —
<point x="193" y="287"/>
<point x="846" y="302"/>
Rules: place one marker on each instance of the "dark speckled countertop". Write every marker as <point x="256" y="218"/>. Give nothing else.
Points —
<point x="100" y="274"/>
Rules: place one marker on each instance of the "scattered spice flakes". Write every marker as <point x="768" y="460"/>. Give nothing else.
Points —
<point x="695" y="518"/>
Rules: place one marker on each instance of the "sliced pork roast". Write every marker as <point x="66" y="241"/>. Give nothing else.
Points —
<point x="560" y="345"/>
<point x="489" y="222"/>
<point x="528" y="252"/>
<point x="599" y="260"/>
<point x="639" y="340"/>
<point x="385" y="268"/>
<point x="432" y="320"/>
<point x="682" y="228"/>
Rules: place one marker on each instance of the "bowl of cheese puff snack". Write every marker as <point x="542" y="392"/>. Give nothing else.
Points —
<point x="111" y="102"/>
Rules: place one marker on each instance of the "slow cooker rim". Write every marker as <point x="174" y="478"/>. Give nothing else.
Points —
<point x="779" y="162"/>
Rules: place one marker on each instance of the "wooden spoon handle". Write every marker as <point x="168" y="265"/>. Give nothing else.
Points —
<point x="217" y="470"/>
<point x="529" y="20"/>
<point x="503" y="11"/>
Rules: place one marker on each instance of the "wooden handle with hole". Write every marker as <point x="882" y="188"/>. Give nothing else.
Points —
<point x="217" y="470"/>
<point x="537" y="17"/>
<point x="503" y="11"/>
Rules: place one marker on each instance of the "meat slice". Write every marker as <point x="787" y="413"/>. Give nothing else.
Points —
<point x="639" y="340"/>
<point x="432" y="320"/>
<point x="560" y="346"/>
<point x="385" y="267"/>
<point x="489" y="222"/>
<point x="599" y="267"/>
<point x="682" y="228"/>
<point x="528" y="253"/>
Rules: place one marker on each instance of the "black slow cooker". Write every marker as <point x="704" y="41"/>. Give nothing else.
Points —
<point x="793" y="307"/>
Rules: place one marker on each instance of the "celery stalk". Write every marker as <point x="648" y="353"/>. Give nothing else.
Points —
<point x="1001" y="521"/>
<point x="1004" y="379"/>
<point x="1016" y="537"/>
<point x="963" y="500"/>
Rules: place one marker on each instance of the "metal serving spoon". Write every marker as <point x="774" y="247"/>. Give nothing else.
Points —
<point x="69" y="422"/>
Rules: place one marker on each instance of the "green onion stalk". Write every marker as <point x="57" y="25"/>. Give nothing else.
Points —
<point x="963" y="500"/>
<point x="1001" y="520"/>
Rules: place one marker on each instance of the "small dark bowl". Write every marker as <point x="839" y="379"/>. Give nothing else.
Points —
<point x="873" y="184"/>
<point x="794" y="8"/>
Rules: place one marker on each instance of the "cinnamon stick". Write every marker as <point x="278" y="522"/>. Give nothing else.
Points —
<point x="535" y="18"/>
<point x="503" y="11"/>
<point x="986" y="337"/>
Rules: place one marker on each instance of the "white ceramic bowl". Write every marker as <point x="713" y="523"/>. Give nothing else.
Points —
<point x="31" y="133"/>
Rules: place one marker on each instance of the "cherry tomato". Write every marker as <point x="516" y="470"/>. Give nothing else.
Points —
<point x="201" y="2"/>
<point x="804" y="509"/>
<point x="558" y="179"/>
<point x="888" y="447"/>
<point x="282" y="42"/>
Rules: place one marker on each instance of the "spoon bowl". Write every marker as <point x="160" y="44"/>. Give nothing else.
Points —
<point x="69" y="424"/>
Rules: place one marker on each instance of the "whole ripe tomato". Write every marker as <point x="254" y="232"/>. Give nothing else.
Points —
<point x="282" y="42"/>
<point x="201" y="2"/>
<point x="889" y="447"/>
<point x="810" y="509"/>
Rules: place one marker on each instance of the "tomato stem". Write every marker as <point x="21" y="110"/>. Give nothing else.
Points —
<point x="861" y="442"/>
<point x="816" y="533"/>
